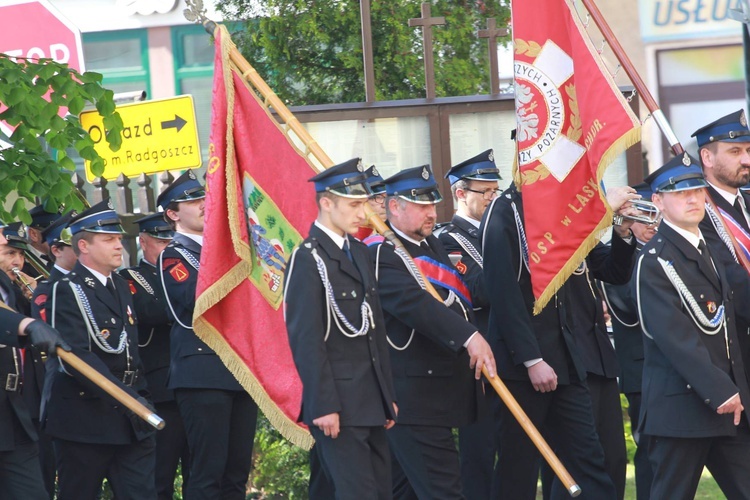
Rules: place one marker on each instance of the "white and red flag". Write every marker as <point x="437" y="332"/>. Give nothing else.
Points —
<point x="572" y="122"/>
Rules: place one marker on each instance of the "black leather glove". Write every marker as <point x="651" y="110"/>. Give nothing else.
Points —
<point x="140" y="425"/>
<point x="45" y="337"/>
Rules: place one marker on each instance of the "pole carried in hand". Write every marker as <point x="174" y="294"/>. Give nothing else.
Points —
<point x="655" y="111"/>
<point x="111" y="388"/>
<point x="313" y="148"/>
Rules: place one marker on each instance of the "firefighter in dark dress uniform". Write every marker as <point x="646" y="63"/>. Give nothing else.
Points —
<point x="94" y="436"/>
<point x="348" y="396"/>
<point x="154" y="326"/>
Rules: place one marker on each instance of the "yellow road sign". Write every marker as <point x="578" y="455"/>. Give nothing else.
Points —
<point x="157" y="136"/>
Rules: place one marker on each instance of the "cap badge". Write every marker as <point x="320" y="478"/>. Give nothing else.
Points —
<point x="360" y="167"/>
<point x="109" y="205"/>
<point x="21" y="232"/>
<point x="686" y="160"/>
<point x="191" y="174"/>
<point x="491" y="156"/>
<point x="425" y="173"/>
<point x="89" y="282"/>
<point x="375" y="171"/>
<point x="743" y="120"/>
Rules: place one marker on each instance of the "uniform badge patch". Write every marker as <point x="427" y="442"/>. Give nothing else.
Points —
<point x="711" y="306"/>
<point x="169" y="262"/>
<point x="461" y="267"/>
<point x="40" y="300"/>
<point x="105" y="333"/>
<point x="179" y="272"/>
<point x="89" y="282"/>
<point x="132" y="287"/>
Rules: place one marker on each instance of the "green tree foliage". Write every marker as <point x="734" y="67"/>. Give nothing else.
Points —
<point x="311" y="52"/>
<point x="31" y="94"/>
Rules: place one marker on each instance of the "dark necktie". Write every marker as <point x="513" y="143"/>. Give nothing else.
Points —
<point x="425" y="246"/>
<point x="111" y="287"/>
<point x="706" y="256"/>
<point x="738" y="206"/>
<point x="347" y="251"/>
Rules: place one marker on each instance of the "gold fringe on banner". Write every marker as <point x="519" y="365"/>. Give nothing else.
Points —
<point x="629" y="138"/>
<point x="239" y="273"/>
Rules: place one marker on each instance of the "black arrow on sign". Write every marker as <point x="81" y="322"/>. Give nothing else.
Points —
<point x="177" y="123"/>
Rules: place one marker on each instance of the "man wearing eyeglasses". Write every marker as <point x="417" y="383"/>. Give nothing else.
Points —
<point x="474" y="184"/>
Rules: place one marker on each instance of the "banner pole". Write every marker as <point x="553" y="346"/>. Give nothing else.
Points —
<point x="272" y="100"/>
<point x="655" y="111"/>
<point x="632" y="73"/>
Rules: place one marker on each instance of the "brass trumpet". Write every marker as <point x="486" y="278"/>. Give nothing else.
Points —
<point x="22" y="280"/>
<point x="649" y="214"/>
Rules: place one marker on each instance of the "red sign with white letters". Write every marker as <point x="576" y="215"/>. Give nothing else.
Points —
<point x="36" y="30"/>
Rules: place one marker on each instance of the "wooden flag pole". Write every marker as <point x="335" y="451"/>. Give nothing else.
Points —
<point x="312" y="147"/>
<point x="111" y="388"/>
<point x="655" y="111"/>
<point x="638" y="83"/>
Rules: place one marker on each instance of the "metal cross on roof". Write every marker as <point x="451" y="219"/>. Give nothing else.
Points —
<point x="427" y="22"/>
<point x="492" y="33"/>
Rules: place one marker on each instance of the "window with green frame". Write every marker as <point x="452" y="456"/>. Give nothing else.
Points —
<point x="121" y="56"/>
<point x="194" y="70"/>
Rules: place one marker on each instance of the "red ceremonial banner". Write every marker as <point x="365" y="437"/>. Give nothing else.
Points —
<point x="254" y="218"/>
<point x="572" y="122"/>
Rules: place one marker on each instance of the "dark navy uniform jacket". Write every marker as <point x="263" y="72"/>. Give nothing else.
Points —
<point x="16" y="426"/>
<point x="193" y="364"/>
<point x="154" y="326"/>
<point x="612" y="264"/>
<point x="515" y="333"/>
<point x="687" y="374"/>
<point x="738" y="278"/>
<point x="434" y="384"/>
<point x="470" y="269"/>
<point x="626" y="329"/>
<point x="75" y="408"/>
<point x="351" y="376"/>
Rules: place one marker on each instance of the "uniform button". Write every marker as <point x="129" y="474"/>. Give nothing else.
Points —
<point x="702" y="296"/>
<point x="373" y="359"/>
<point x="429" y="372"/>
<point x="200" y="348"/>
<point x="81" y="393"/>
<point x="707" y="401"/>
<point x="688" y="386"/>
<point x="451" y="342"/>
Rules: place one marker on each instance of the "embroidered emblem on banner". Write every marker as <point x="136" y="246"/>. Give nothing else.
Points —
<point x="541" y="112"/>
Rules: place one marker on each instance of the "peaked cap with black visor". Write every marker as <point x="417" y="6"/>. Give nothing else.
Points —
<point x="681" y="173"/>
<point x="345" y="179"/>
<point x="416" y="185"/>
<point x="480" y="168"/>
<point x="185" y="188"/>
<point x="101" y="218"/>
